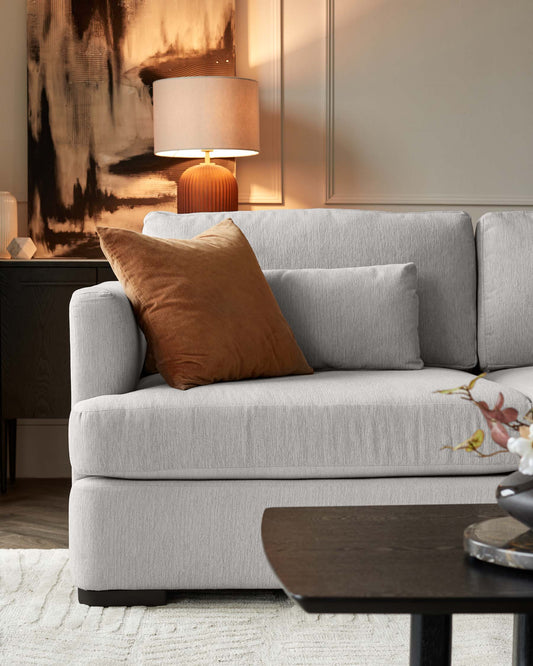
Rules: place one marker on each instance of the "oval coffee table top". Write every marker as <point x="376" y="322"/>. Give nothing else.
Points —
<point x="389" y="559"/>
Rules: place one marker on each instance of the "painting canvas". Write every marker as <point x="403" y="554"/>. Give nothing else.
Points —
<point x="91" y="66"/>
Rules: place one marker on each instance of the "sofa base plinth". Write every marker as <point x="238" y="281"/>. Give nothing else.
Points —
<point x="122" y="597"/>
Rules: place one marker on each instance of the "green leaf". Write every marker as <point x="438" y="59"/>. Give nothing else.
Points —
<point x="473" y="382"/>
<point x="471" y="444"/>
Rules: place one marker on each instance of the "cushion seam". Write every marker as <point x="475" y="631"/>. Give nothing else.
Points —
<point x="482" y="332"/>
<point x="302" y="467"/>
<point x="280" y="406"/>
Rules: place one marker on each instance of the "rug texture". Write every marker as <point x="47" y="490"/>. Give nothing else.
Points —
<point x="41" y="622"/>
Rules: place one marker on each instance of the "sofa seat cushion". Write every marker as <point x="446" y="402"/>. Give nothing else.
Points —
<point x="520" y="379"/>
<point x="351" y="423"/>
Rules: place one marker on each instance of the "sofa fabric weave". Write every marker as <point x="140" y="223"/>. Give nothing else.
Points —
<point x="440" y="244"/>
<point x="519" y="379"/>
<point x="505" y="305"/>
<point x="207" y="534"/>
<point x="169" y="486"/>
<point x="355" y="423"/>
<point x="352" y="318"/>
<point x="99" y="313"/>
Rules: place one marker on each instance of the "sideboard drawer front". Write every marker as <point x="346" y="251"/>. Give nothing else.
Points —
<point x="105" y="275"/>
<point x="45" y="275"/>
<point x="35" y="338"/>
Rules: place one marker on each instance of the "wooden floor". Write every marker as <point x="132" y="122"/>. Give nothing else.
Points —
<point x="34" y="514"/>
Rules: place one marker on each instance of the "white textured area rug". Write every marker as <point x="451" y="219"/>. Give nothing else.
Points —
<point x="41" y="622"/>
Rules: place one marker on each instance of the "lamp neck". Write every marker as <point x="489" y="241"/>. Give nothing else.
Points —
<point x="207" y="156"/>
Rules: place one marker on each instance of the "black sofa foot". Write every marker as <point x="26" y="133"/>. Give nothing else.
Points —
<point x="122" y="597"/>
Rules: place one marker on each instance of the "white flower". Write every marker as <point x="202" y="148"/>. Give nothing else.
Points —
<point x="523" y="446"/>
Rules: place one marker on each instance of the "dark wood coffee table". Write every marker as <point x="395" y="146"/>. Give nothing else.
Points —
<point x="397" y="559"/>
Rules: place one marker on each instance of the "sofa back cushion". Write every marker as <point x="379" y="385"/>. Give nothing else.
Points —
<point x="352" y="318"/>
<point x="440" y="244"/>
<point x="505" y="283"/>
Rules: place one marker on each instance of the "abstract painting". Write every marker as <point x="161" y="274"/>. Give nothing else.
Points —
<point x="91" y="66"/>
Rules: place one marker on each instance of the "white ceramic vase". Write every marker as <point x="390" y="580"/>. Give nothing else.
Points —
<point x="8" y="221"/>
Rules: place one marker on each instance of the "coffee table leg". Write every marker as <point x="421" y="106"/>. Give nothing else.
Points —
<point x="431" y="640"/>
<point x="523" y="640"/>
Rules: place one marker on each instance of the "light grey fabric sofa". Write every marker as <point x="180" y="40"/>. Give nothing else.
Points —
<point x="169" y="486"/>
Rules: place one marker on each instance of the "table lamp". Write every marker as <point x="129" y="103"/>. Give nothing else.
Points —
<point x="206" y="116"/>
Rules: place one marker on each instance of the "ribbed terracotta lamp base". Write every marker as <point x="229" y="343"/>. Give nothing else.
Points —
<point x="207" y="187"/>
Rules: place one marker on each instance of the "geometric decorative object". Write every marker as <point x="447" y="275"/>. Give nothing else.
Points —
<point x="209" y="117"/>
<point x="90" y="129"/>
<point x="8" y="221"/>
<point x="21" y="248"/>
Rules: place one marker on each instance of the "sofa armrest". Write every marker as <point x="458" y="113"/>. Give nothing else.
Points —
<point x="107" y="348"/>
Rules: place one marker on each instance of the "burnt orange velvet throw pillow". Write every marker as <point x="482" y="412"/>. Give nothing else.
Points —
<point x="204" y="305"/>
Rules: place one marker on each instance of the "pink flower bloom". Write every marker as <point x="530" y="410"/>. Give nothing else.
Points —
<point x="497" y="418"/>
<point x="507" y="415"/>
<point x="498" y="432"/>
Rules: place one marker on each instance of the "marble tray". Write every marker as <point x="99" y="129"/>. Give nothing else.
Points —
<point x="503" y="541"/>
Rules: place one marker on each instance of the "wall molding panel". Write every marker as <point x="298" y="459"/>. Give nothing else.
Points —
<point x="427" y="103"/>
<point x="330" y="103"/>
<point x="258" y="45"/>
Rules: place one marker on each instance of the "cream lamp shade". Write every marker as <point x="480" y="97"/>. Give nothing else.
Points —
<point x="206" y="116"/>
<point x="193" y="114"/>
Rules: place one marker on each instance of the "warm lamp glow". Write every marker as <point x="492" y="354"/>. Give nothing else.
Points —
<point x="206" y="116"/>
<point x="197" y="113"/>
<point x="215" y="152"/>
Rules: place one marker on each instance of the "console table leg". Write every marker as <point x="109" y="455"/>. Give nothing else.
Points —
<point x="431" y="640"/>
<point x="523" y="640"/>
<point x="12" y="443"/>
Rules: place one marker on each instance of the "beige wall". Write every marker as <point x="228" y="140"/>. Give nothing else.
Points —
<point x="305" y="92"/>
<point x="429" y="102"/>
<point x="303" y="100"/>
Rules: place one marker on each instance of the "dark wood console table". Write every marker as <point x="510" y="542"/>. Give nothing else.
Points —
<point x="34" y="342"/>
